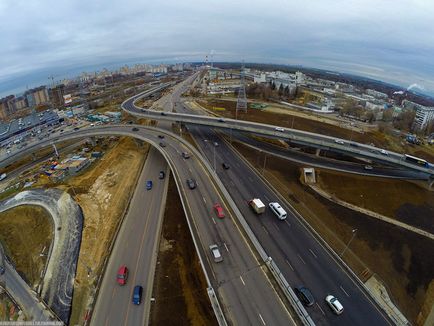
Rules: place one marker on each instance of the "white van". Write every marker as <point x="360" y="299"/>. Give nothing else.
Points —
<point x="278" y="210"/>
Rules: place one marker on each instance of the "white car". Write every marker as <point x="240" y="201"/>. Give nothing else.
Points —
<point x="279" y="129"/>
<point x="384" y="152"/>
<point x="216" y="255"/>
<point x="338" y="141"/>
<point x="334" y="304"/>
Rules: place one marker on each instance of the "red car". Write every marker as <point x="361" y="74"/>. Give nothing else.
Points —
<point x="219" y="210"/>
<point x="122" y="276"/>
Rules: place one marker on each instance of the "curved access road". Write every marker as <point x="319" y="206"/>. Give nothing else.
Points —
<point x="240" y="281"/>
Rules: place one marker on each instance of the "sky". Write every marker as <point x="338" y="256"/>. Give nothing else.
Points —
<point x="389" y="40"/>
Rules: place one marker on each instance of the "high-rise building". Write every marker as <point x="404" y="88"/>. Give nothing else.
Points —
<point x="36" y="96"/>
<point x="7" y="106"/>
<point x="424" y="115"/>
<point x="56" y="95"/>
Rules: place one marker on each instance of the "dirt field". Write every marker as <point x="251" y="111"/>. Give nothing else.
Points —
<point x="24" y="232"/>
<point x="102" y="192"/>
<point x="402" y="200"/>
<point x="314" y="125"/>
<point x="398" y="257"/>
<point x="179" y="285"/>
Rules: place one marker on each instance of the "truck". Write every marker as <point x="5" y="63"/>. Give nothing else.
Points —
<point x="257" y="205"/>
<point x="3" y="176"/>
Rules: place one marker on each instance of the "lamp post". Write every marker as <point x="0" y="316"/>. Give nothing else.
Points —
<point x="348" y="244"/>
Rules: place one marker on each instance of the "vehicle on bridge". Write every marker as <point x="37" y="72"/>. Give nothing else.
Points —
<point x="149" y="185"/>
<point x="416" y="160"/>
<point x="216" y="255"/>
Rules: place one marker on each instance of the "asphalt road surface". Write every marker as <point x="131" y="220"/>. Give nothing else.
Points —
<point x="135" y="246"/>
<point x="301" y="258"/>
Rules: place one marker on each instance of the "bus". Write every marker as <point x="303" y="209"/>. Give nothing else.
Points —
<point x="416" y="160"/>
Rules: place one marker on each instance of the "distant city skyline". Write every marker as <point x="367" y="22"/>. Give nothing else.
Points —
<point x="391" y="41"/>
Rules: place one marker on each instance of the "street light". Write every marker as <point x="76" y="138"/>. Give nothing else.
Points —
<point x="348" y="244"/>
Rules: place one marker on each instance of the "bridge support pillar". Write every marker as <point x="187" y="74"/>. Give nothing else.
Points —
<point x="55" y="150"/>
<point x="318" y="151"/>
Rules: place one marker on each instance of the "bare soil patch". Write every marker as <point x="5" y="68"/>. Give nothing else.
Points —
<point x="24" y="232"/>
<point x="399" y="257"/>
<point x="179" y="284"/>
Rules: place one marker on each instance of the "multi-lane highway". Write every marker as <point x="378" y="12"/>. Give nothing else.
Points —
<point x="295" y="136"/>
<point x="247" y="297"/>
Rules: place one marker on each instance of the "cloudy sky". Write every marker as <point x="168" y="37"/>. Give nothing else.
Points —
<point x="390" y="40"/>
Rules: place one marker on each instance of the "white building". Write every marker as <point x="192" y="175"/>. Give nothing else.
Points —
<point x="424" y="115"/>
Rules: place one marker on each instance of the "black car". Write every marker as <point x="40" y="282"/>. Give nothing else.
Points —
<point x="161" y="136"/>
<point x="2" y="270"/>
<point x="163" y="113"/>
<point x="76" y="128"/>
<point x="161" y="175"/>
<point x="135" y="129"/>
<point x="305" y="296"/>
<point x="225" y="166"/>
<point x="191" y="183"/>
<point x="163" y="144"/>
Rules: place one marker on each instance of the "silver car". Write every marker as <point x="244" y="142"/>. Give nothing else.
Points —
<point x="215" y="252"/>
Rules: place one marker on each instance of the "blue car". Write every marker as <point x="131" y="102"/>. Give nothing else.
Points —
<point x="149" y="185"/>
<point x="137" y="294"/>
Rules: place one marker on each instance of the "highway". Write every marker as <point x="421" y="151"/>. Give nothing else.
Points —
<point x="295" y="136"/>
<point x="135" y="246"/>
<point x="301" y="258"/>
<point x="241" y="275"/>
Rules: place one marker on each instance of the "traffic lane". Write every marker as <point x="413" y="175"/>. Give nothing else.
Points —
<point x="301" y="251"/>
<point x="304" y="251"/>
<point x="237" y="269"/>
<point x="115" y="307"/>
<point x="330" y="163"/>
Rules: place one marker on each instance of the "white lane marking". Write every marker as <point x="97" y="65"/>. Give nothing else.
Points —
<point x="214" y="220"/>
<point x="289" y="224"/>
<point x="301" y="259"/>
<point x="266" y="198"/>
<point x="275" y="225"/>
<point x="320" y="308"/>
<point x="204" y="200"/>
<point x="344" y="291"/>
<point x="241" y="278"/>
<point x="262" y="319"/>
<point x="290" y="266"/>
<point x="232" y="183"/>
<point x="227" y="249"/>
<point x="312" y="253"/>
<point x="265" y="229"/>
<point x="190" y="170"/>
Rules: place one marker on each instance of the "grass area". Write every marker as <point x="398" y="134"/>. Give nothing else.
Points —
<point x="179" y="285"/>
<point x="295" y="121"/>
<point x="103" y="192"/>
<point x="399" y="257"/>
<point x="24" y="232"/>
